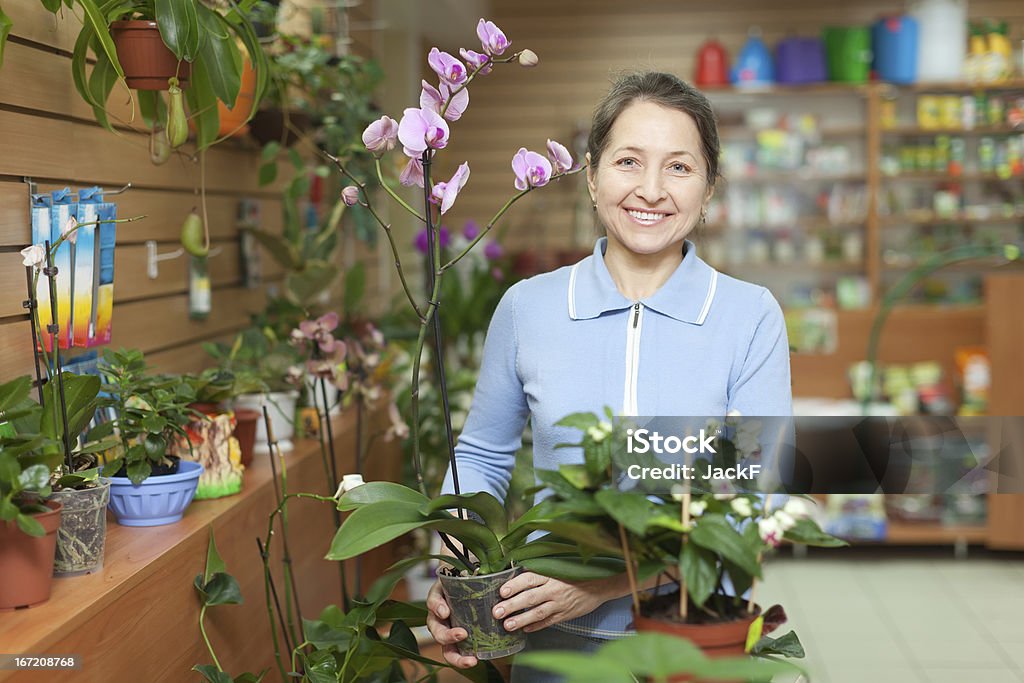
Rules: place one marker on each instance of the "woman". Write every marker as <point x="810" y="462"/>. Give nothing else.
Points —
<point x="642" y="325"/>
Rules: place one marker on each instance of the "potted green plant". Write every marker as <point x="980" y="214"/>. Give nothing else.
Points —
<point x="28" y="522"/>
<point x="706" y="536"/>
<point x="149" y="485"/>
<point x="188" y="49"/>
<point x="271" y="369"/>
<point x="215" y="388"/>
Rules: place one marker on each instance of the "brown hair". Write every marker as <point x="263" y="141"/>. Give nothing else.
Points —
<point x="659" y="88"/>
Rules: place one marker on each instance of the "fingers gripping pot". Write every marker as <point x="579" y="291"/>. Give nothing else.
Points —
<point x="472" y="599"/>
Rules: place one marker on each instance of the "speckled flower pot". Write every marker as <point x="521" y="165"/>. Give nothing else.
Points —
<point x="471" y="599"/>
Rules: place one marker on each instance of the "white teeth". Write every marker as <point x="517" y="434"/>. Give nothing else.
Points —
<point x="644" y="216"/>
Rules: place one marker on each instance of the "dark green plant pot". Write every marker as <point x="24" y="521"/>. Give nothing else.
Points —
<point x="471" y="599"/>
<point x="83" y="529"/>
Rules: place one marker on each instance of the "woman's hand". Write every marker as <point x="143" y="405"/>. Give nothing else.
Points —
<point x="550" y="601"/>
<point x="441" y="630"/>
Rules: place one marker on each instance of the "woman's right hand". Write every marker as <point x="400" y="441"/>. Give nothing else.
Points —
<point x="441" y="630"/>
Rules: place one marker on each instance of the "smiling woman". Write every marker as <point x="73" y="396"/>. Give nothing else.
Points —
<point x="642" y="325"/>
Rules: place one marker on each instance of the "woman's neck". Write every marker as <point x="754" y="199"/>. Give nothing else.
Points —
<point x="638" y="276"/>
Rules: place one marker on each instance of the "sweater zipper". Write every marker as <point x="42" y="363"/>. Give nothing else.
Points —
<point x="634" y="325"/>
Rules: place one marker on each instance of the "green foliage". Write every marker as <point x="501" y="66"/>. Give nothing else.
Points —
<point x="195" y="33"/>
<point x="152" y="412"/>
<point x="24" y="468"/>
<point x="651" y="656"/>
<point x="258" y="358"/>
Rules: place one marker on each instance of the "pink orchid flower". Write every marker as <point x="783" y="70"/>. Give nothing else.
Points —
<point x="531" y="169"/>
<point x="476" y="60"/>
<point x="444" y="193"/>
<point x="433" y="99"/>
<point x="421" y="129"/>
<point x="350" y="195"/>
<point x="561" y="160"/>
<point x="491" y="37"/>
<point x="450" y="70"/>
<point x="412" y="174"/>
<point x="381" y="135"/>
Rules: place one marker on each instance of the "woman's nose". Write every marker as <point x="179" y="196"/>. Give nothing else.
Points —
<point x="651" y="188"/>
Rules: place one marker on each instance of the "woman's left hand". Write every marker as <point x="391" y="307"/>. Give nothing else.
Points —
<point x="550" y="601"/>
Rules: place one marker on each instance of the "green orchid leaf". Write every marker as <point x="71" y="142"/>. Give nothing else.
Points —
<point x="487" y="507"/>
<point x="374" y="525"/>
<point x="575" y="568"/>
<point x="394" y="610"/>
<point x="211" y="674"/>
<point x="379" y="491"/>
<point x="14" y="392"/>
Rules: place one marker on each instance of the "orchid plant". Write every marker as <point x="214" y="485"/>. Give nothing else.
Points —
<point x="420" y="134"/>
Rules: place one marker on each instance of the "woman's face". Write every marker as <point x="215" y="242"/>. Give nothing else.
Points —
<point x="650" y="186"/>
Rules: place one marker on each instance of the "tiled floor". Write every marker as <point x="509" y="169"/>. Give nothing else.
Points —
<point x="893" y="617"/>
<point x="898" y="616"/>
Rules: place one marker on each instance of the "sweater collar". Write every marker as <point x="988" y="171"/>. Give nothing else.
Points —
<point x="686" y="296"/>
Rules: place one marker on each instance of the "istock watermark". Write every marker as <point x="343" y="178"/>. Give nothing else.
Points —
<point x="647" y="441"/>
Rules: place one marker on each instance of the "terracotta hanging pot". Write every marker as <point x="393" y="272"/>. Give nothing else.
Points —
<point x="26" y="562"/>
<point x="146" y="61"/>
<point x="233" y="121"/>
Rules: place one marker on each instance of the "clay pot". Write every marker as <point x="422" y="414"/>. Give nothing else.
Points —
<point x="245" y="431"/>
<point x="146" y="61"/>
<point x="725" y="639"/>
<point x="233" y="121"/>
<point x="26" y="562"/>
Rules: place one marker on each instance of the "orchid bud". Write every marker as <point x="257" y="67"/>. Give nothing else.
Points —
<point x="528" y="58"/>
<point x="33" y="256"/>
<point x="350" y="195"/>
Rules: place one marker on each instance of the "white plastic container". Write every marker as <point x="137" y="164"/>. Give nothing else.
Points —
<point x="281" y="408"/>
<point x="942" y="39"/>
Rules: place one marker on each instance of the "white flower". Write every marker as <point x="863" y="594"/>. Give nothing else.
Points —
<point x="599" y="431"/>
<point x="713" y="426"/>
<point x="348" y="482"/>
<point x="33" y="256"/>
<point x="796" y="508"/>
<point x="678" y="491"/>
<point x="697" y="507"/>
<point x="784" y="519"/>
<point x="724" y="496"/>
<point x="747" y="444"/>
<point x="742" y="507"/>
<point x="770" y="531"/>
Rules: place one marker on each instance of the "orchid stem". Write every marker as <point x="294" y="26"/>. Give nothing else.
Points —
<point x="393" y="194"/>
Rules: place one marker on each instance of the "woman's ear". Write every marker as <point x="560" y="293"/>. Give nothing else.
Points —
<point x="591" y="182"/>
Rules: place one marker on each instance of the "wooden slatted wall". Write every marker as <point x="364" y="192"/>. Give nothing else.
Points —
<point x="49" y="134"/>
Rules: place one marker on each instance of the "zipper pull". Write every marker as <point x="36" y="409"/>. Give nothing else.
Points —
<point x="636" y="314"/>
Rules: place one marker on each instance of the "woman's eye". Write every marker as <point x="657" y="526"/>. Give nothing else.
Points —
<point x="681" y="168"/>
<point x="628" y="163"/>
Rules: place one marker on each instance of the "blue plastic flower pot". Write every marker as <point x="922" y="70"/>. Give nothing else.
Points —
<point x="157" y="500"/>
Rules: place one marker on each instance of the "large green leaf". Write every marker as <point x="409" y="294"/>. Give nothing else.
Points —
<point x="378" y="491"/>
<point x="220" y="56"/>
<point x="202" y="104"/>
<point x="806" y="531"/>
<point x="487" y="507"/>
<point x="632" y="510"/>
<point x="575" y="568"/>
<point x="179" y="27"/>
<point x="80" y="392"/>
<point x="580" y="421"/>
<point x="374" y="525"/>
<point x="700" y="570"/>
<point x="715" y="533"/>
<point x="95" y="20"/>
<point x="14" y="392"/>
<point x="787" y="645"/>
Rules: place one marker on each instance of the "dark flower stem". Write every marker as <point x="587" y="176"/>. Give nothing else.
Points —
<point x="54" y="329"/>
<point x="31" y="305"/>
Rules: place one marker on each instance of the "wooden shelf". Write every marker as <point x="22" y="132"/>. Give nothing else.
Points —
<point x="979" y="130"/>
<point x="137" y="618"/>
<point x="804" y="176"/>
<point x="739" y="131"/>
<point x="946" y="177"/>
<point x="961" y="86"/>
<point x="933" y="219"/>
<point x="924" y="533"/>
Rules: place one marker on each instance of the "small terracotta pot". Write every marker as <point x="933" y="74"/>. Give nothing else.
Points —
<point x="206" y="408"/>
<point x="245" y="431"/>
<point x="26" y="562"/>
<point x="146" y="61"/>
<point x="726" y="639"/>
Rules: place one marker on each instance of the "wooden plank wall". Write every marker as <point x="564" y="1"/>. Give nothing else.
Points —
<point x="49" y="134"/>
